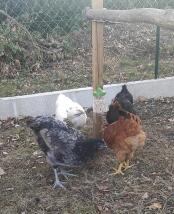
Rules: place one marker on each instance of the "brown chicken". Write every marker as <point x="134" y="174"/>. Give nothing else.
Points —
<point x="124" y="136"/>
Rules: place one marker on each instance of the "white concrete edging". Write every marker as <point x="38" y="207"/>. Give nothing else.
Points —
<point x="44" y="103"/>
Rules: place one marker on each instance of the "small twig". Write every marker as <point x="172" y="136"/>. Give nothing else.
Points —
<point x="165" y="204"/>
<point x="45" y="50"/>
<point x="140" y="207"/>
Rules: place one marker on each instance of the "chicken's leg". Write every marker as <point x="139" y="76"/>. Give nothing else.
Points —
<point x="126" y="165"/>
<point x="119" y="170"/>
<point x="57" y="182"/>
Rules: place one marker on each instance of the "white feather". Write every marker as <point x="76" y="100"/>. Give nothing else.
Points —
<point x="68" y="109"/>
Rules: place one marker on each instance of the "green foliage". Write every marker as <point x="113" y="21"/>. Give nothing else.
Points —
<point x="15" y="44"/>
<point x="9" y="43"/>
<point x="60" y="16"/>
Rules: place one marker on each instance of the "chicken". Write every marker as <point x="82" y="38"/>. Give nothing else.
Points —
<point x="64" y="147"/>
<point x="124" y="94"/>
<point x="124" y="136"/>
<point x="70" y="112"/>
<point x="125" y="98"/>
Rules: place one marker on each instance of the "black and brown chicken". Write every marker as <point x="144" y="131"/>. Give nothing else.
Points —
<point x="125" y="99"/>
<point x="64" y="146"/>
<point x="124" y="136"/>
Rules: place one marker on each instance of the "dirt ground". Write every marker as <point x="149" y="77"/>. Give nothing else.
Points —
<point x="146" y="188"/>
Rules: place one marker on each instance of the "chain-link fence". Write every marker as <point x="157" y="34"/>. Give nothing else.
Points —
<point x="41" y="39"/>
<point x="45" y="45"/>
<point x="130" y="48"/>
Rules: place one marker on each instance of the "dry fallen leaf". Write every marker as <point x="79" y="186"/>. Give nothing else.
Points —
<point x="5" y="153"/>
<point x="171" y="120"/>
<point x="106" y="209"/>
<point x="145" y="196"/>
<point x="10" y="189"/>
<point x="155" y="206"/>
<point x="103" y="188"/>
<point x="38" y="153"/>
<point x="100" y="208"/>
<point x="141" y="99"/>
<point x="2" y="172"/>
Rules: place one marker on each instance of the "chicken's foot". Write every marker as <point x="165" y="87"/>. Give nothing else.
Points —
<point x="123" y="166"/>
<point x="66" y="174"/>
<point x="119" y="170"/>
<point x="126" y="165"/>
<point x="57" y="182"/>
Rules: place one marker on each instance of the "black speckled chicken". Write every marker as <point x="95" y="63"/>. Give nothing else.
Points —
<point x="64" y="147"/>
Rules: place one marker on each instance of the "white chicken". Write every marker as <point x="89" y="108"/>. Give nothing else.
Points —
<point x="70" y="112"/>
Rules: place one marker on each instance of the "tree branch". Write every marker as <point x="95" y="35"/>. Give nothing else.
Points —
<point x="162" y="18"/>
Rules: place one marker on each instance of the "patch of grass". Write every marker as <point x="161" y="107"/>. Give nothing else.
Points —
<point x="7" y="88"/>
<point x="169" y="49"/>
<point x="65" y="76"/>
<point x="78" y="206"/>
<point x="22" y="153"/>
<point x="127" y="62"/>
<point x="166" y="68"/>
<point x="139" y="69"/>
<point x="77" y="75"/>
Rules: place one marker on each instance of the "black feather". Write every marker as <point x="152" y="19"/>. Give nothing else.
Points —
<point x="112" y="114"/>
<point x="126" y="105"/>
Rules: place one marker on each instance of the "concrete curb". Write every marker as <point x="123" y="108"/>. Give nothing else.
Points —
<point x="44" y="103"/>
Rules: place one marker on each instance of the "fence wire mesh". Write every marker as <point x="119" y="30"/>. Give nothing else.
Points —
<point x="45" y="45"/>
<point x="130" y="48"/>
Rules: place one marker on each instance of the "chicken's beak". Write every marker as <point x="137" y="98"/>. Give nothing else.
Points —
<point x="79" y="113"/>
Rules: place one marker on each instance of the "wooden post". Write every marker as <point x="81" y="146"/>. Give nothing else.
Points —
<point x="97" y="48"/>
<point x="97" y="68"/>
<point x="157" y="52"/>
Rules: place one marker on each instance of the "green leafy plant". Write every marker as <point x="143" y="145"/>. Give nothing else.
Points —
<point x="9" y="44"/>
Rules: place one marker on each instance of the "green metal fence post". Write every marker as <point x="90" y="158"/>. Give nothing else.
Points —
<point x="157" y="53"/>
